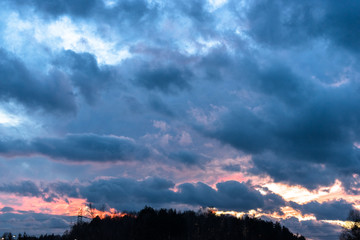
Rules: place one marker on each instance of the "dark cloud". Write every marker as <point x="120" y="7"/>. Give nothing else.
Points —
<point x="317" y="132"/>
<point x="351" y="184"/>
<point x="56" y="222"/>
<point x="187" y="158"/>
<point x="24" y="188"/>
<point x="122" y="14"/>
<point x="49" y="192"/>
<point x="159" y="106"/>
<point x="232" y="167"/>
<point x="196" y="10"/>
<point x="279" y="81"/>
<point x="127" y="193"/>
<point x="51" y="92"/>
<point x="216" y="64"/>
<point x="54" y="91"/>
<point x="316" y="230"/>
<point x="57" y="8"/>
<point x="286" y="23"/>
<point x="63" y="189"/>
<point x="90" y="147"/>
<point x="27" y="188"/>
<point x="334" y="210"/>
<point x="158" y="183"/>
<point x="230" y="195"/>
<point x="309" y="175"/>
<point x="34" y="223"/>
<point x="239" y="196"/>
<point x="131" y="194"/>
<point x="78" y="147"/>
<point x="278" y="23"/>
<point x="13" y="147"/>
<point x="85" y="73"/>
<point x="244" y="130"/>
<point x="198" y="194"/>
<point x="130" y="11"/>
<point x="339" y="24"/>
<point x="273" y="202"/>
<point x="7" y="209"/>
<point x="168" y="79"/>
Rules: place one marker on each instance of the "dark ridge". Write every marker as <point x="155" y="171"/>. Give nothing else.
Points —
<point x="169" y="224"/>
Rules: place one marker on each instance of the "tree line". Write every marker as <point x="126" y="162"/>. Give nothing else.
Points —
<point x="169" y="224"/>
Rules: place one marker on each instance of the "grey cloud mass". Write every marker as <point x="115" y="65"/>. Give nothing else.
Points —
<point x="78" y="147"/>
<point x="167" y="79"/>
<point x="335" y="210"/>
<point x="34" y="223"/>
<point x="186" y="157"/>
<point x="293" y="23"/>
<point x="51" y="92"/>
<point x="54" y="91"/>
<point x="24" y="188"/>
<point x="85" y="73"/>
<point x="130" y="194"/>
<point x="134" y="194"/>
<point x="56" y="8"/>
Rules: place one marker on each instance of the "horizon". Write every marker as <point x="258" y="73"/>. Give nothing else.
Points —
<point x="89" y="214"/>
<point x="244" y="106"/>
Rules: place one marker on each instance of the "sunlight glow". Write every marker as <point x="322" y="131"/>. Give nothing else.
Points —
<point x="81" y="38"/>
<point x="215" y="4"/>
<point x="9" y="120"/>
<point x="232" y="213"/>
<point x="288" y="212"/>
<point x="302" y="195"/>
<point x="62" y="34"/>
<point x="93" y="212"/>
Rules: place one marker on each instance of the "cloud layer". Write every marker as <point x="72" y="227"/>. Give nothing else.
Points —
<point x="218" y="98"/>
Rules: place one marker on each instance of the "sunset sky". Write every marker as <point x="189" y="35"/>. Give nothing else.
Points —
<point x="245" y="106"/>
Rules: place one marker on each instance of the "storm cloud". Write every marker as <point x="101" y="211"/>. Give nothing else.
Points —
<point x="138" y="102"/>
<point x="131" y="194"/>
<point x="78" y="147"/>
<point x="335" y="210"/>
<point x="51" y="92"/>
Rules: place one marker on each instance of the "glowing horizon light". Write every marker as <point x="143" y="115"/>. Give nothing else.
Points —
<point x="301" y="195"/>
<point x="232" y="213"/>
<point x="93" y="213"/>
<point x="65" y="207"/>
<point x="344" y="224"/>
<point x="288" y="213"/>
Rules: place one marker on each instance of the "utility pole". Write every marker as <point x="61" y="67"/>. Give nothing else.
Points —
<point x="80" y="216"/>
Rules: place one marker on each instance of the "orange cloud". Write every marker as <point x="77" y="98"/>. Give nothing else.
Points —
<point x="38" y="205"/>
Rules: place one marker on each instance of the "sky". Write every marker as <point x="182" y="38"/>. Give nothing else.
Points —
<point x="244" y="106"/>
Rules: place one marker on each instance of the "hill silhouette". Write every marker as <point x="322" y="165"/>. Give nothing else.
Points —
<point x="169" y="224"/>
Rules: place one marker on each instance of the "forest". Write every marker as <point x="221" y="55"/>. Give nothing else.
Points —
<point x="169" y="224"/>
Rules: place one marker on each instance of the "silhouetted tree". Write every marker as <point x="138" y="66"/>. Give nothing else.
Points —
<point x="352" y="232"/>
